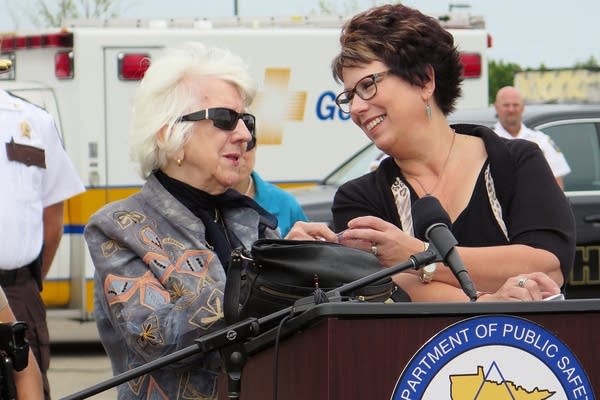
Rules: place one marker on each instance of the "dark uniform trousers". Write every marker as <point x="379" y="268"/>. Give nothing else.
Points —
<point x="23" y="292"/>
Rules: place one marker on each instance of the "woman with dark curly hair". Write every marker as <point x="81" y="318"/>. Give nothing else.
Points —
<point x="402" y="76"/>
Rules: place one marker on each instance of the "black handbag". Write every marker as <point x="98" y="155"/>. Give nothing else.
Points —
<point x="277" y="272"/>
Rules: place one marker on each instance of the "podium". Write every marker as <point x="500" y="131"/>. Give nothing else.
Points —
<point x="341" y="351"/>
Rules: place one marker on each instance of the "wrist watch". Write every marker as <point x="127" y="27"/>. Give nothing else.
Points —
<point x="428" y="270"/>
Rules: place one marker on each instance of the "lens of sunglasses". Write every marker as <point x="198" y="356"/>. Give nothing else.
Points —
<point x="250" y="122"/>
<point x="227" y="119"/>
<point x="251" y="144"/>
<point x="224" y="118"/>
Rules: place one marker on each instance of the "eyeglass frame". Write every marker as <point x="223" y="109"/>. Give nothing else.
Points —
<point x="209" y="114"/>
<point x="374" y="78"/>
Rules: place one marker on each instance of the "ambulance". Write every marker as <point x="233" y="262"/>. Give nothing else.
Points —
<point x="86" y="73"/>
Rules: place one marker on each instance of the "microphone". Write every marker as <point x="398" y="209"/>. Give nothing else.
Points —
<point x="432" y="223"/>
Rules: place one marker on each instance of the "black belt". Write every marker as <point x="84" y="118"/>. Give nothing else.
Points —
<point x="14" y="276"/>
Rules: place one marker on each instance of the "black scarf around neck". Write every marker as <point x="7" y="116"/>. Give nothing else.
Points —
<point x="209" y="208"/>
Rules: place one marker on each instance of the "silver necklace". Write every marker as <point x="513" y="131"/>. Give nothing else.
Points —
<point x="443" y="169"/>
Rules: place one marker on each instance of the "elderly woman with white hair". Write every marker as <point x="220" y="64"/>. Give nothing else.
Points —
<point x="159" y="254"/>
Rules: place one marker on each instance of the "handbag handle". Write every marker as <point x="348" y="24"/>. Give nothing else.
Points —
<point x="231" y="298"/>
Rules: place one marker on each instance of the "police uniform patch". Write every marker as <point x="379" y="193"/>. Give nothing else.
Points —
<point x="25" y="130"/>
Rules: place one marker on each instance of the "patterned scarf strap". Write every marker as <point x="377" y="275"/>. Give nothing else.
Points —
<point x="494" y="202"/>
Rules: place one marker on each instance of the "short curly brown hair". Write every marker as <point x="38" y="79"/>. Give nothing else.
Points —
<point x="407" y="41"/>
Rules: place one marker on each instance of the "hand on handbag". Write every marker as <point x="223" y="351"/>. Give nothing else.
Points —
<point x="277" y="272"/>
<point x="311" y="231"/>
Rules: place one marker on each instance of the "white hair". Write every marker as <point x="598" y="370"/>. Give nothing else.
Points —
<point x="164" y="95"/>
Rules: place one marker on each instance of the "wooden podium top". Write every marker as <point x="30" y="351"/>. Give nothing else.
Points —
<point x="358" y="310"/>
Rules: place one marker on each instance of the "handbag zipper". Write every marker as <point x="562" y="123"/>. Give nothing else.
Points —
<point x="374" y="296"/>
<point x="278" y="293"/>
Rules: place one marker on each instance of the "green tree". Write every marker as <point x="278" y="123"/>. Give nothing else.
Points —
<point x="52" y="16"/>
<point x="327" y="8"/>
<point x="500" y="74"/>
<point x="350" y="7"/>
<point x="591" y="63"/>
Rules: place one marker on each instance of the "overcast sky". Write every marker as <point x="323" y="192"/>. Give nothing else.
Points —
<point x="527" y="32"/>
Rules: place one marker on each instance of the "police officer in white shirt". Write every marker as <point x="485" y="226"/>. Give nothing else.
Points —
<point x="509" y="109"/>
<point x="37" y="177"/>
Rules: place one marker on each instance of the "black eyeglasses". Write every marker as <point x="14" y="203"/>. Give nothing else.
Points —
<point x="223" y="118"/>
<point x="365" y="88"/>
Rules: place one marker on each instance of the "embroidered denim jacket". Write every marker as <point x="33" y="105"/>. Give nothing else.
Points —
<point x="158" y="287"/>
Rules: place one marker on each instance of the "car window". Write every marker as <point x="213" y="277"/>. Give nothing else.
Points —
<point x="356" y="166"/>
<point x="579" y="144"/>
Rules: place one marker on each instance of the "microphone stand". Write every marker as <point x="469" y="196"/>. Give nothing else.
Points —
<point x="229" y="341"/>
<point x="225" y="340"/>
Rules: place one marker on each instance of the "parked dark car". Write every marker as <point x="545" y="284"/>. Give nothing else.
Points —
<point x="575" y="128"/>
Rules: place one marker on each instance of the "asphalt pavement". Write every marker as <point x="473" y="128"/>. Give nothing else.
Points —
<point x="77" y="360"/>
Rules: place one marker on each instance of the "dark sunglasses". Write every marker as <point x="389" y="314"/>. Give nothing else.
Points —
<point x="224" y="118"/>
<point x="251" y="144"/>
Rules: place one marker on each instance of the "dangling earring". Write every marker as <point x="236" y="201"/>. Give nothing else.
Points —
<point x="179" y="162"/>
<point x="428" y="110"/>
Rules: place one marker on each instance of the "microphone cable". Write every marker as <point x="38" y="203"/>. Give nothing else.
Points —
<point x="276" y="354"/>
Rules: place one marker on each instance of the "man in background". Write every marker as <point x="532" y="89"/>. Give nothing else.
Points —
<point x="509" y="109"/>
<point x="37" y="177"/>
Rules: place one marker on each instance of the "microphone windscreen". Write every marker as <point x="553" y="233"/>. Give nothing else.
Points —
<point x="426" y="212"/>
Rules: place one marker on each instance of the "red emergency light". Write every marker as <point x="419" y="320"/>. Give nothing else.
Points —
<point x="34" y="41"/>
<point x="13" y="43"/>
<point x="133" y="66"/>
<point x="62" y="39"/>
<point x="471" y="65"/>
<point x="63" y="65"/>
<point x="19" y="43"/>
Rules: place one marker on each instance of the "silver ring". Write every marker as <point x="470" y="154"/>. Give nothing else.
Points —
<point x="522" y="281"/>
<point x="374" y="249"/>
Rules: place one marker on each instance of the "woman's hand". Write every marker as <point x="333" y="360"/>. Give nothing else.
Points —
<point x="385" y="240"/>
<point x="525" y="287"/>
<point x="311" y="231"/>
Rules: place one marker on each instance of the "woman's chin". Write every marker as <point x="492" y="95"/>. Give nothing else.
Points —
<point x="230" y="180"/>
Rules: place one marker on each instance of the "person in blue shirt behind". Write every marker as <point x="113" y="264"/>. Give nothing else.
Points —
<point x="283" y="205"/>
